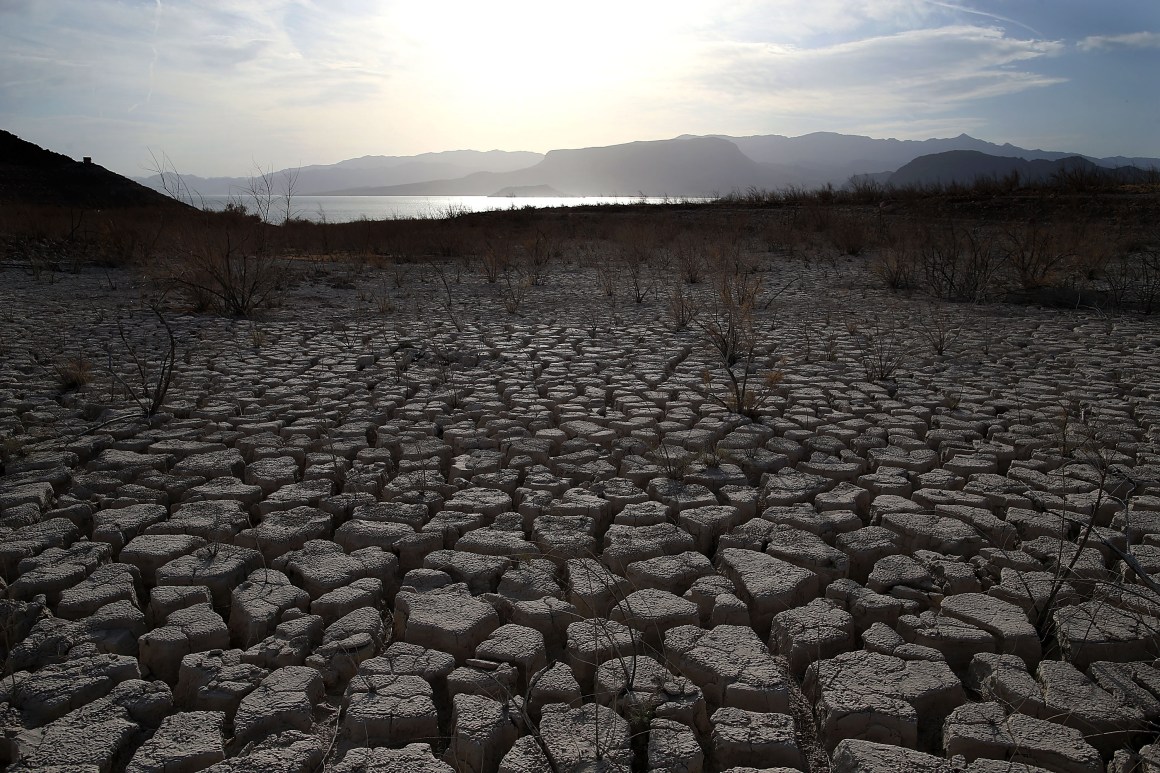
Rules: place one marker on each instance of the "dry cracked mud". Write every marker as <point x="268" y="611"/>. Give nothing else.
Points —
<point x="391" y="526"/>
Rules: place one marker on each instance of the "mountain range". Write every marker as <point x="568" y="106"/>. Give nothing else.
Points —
<point x="682" y="166"/>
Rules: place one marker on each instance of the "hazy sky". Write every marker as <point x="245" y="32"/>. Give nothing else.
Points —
<point x="217" y="85"/>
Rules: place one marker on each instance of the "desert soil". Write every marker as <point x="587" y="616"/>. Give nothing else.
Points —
<point x="375" y="529"/>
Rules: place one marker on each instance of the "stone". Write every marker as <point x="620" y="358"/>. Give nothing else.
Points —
<point x="412" y="758"/>
<point x="196" y="628"/>
<point x="285" y="700"/>
<point x="751" y="738"/>
<point x="766" y="584"/>
<point x="859" y="756"/>
<point x="149" y="552"/>
<point x="1009" y="624"/>
<point x="816" y="631"/>
<point x="184" y="743"/>
<point x="216" y="680"/>
<point x="881" y="698"/>
<point x="977" y="730"/>
<point x="218" y="567"/>
<point x="730" y="665"/>
<point x="106" y="584"/>
<point x="447" y="619"/>
<point x="482" y="732"/>
<point x="258" y="603"/>
<point x="388" y="709"/>
<point x="653" y="612"/>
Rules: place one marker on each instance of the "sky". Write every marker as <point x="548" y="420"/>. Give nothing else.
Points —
<point x="217" y="87"/>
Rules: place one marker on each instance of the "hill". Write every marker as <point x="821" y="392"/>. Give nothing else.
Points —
<point x="370" y="171"/>
<point x="965" y="167"/>
<point x="29" y="174"/>
<point x="694" y="166"/>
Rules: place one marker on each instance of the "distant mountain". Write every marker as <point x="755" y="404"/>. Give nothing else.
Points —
<point x="368" y="171"/>
<point x="30" y="174"/>
<point x="967" y="166"/>
<point x="683" y="166"/>
<point x="826" y="157"/>
<point x="693" y="166"/>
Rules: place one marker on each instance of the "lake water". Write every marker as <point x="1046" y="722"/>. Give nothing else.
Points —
<point x="344" y="209"/>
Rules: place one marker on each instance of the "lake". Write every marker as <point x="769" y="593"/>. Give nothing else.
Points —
<point x="344" y="209"/>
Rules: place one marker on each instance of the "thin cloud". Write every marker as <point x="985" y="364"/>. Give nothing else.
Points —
<point x="919" y="71"/>
<point x="1129" y="40"/>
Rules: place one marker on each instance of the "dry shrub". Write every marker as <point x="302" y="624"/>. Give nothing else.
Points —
<point x="74" y="373"/>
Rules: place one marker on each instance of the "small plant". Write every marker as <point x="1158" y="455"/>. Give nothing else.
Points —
<point x="150" y="380"/>
<point x="257" y="337"/>
<point x="515" y="292"/>
<point x="882" y="349"/>
<point x="682" y="309"/>
<point x="74" y="373"/>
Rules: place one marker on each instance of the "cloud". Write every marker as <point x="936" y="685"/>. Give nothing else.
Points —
<point x="1129" y="40"/>
<point x="917" y="71"/>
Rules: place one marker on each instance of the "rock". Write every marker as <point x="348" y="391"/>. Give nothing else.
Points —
<point x="363" y="592"/>
<point x="593" y="589"/>
<point x="730" y="665"/>
<point x="766" y="584"/>
<point x="499" y="681"/>
<point x="56" y="689"/>
<point x="1136" y="684"/>
<point x="882" y="639"/>
<point x="149" y="552"/>
<point x="346" y="643"/>
<point x="1013" y="632"/>
<point x="481" y="573"/>
<point x="672" y="574"/>
<point x="751" y="738"/>
<point x="196" y="628"/>
<point x="321" y="566"/>
<point x="956" y="640"/>
<point x="1072" y="699"/>
<point x="106" y="584"/>
<point x="673" y="746"/>
<point x="166" y="599"/>
<point x="447" y="619"/>
<point x="881" y="698"/>
<point x="184" y="743"/>
<point x="819" y="630"/>
<point x="977" y="730"/>
<point x="258" y="603"/>
<point x="624" y="545"/>
<point x="213" y="521"/>
<point x="653" y="612"/>
<point x="1004" y="679"/>
<point x="865" y="547"/>
<point x="518" y="645"/>
<point x="290" y="751"/>
<point x="217" y="680"/>
<point x="555" y="684"/>
<point x="867" y="607"/>
<point x="482" y="732"/>
<point x="388" y="709"/>
<point x="290" y="644"/>
<point x="218" y="567"/>
<point x="282" y="531"/>
<point x="858" y="756"/>
<point x="574" y="735"/>
<point x="412" y="758"/>
<point x="593" y="641"/>
<point x="118" y="526"/>
<point x="55" y="569"/>
<point x="707" y="524"/>
<point x="1096" y="630"/>
<point x="284" y="700"/>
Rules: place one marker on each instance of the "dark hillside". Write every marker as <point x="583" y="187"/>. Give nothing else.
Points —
<point x="31" y="175"/>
